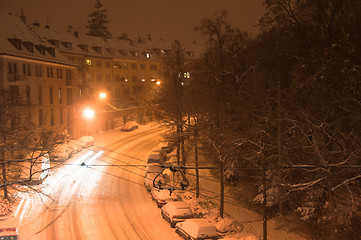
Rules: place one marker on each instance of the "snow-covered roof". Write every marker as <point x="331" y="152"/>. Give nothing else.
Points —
<point x="17" y="39"/>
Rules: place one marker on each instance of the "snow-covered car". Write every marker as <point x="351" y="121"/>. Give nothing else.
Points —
<point x="175" y="212"/>
<point x="85" y="141"/>
<point x="130" y="126"/>
<point x="36" y="166"/>
<point x="151" y="171"/>
<point x="149" y="178"/>
<point x="196" y="229"/>
<point x="155" y="157"/>
<point x="166" y="145"/>
<point x="9" y="234"/>
<point x="61" y="152"/>
<point x="75" y="145"/>
<point x="163" y="196"/>
<point x="162" y="153"/>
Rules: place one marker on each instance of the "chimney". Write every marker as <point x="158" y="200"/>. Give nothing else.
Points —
<point x="22" y="16"/>
<point x="76" y="34"/>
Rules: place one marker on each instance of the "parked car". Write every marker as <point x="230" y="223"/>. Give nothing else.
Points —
<point x="149" y="178"/>
<point x="9" y="234"/>
<point x="196" y="229"/>
<point x="36" y="166"/>
<point x="166" y="145"/>
<point x="175" y="212"/>
<point x="75" y="145"/>
<point x="162" y="153"/>
<point x="151" y="171"/>
<point x="163" y="196"/>
<point x="155" y="157"/>
<point x="130" y="126"/>
<point x="61" y="152"/>
<point x="85" y="141"/>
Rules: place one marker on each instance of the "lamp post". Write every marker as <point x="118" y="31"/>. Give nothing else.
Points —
<point x="88" y="114"/>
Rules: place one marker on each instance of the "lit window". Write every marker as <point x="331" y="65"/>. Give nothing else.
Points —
<point x="147" y="55"/>
<point x="186" y="75"/>
<point x="88" y="62"/>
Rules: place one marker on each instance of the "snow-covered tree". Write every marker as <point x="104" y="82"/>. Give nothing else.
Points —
<point x="97" y="22"/>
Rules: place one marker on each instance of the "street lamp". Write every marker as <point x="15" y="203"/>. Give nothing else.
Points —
<point x="102" y="95"/>
<point x="88" y="113"/>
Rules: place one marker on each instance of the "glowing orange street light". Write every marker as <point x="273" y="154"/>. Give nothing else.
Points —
<point x="102" y="95"/>
<point x="88" y="113"/>
<point x="158" y="82"/>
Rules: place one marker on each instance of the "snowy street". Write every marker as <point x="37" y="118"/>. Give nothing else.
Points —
<point x="97" y="201"/>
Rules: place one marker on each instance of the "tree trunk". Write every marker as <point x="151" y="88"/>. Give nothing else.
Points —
<point x="221" y="204"/>
<point x="4" y="176"/>
<point x="197" y="170"/>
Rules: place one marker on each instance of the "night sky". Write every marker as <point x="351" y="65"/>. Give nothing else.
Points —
<point x="170" y="18"/>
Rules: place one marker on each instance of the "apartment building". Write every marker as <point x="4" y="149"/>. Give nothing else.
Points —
<point x="37" y="72"/>
<point x="59" y="73"/>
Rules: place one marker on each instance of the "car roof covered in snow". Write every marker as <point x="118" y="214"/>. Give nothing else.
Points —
<point x="199" y="228"/>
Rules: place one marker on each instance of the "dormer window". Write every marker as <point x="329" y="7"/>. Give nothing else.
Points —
<point x="191" y="54"/>
<point x="16" y="42"/>
<point x="122" y="52"/>
<point x="98" y="49"/>
<point x="146" y="54"/>
<point x="29" y="46"/>
<point x="135" y="53"/>
<point x="84" y="47"/>
<point x="54" y="42"/>
<point x="111" y="50"/>
<point x="67" y="45"/>
<point x="51" y="51"/>
<point x="40" y="48"/>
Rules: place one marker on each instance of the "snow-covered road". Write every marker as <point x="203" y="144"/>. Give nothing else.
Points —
<point x="98" y="201"/>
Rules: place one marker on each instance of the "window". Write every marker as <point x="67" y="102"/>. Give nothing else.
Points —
<point x="52" y="122"/>
<point x="107" y="64"/>
<point x="89" y="76"/>
<point x="133" y="66"/>
<point x="88" y="62"/>
<point x="60" y="96"/>
<point x="69" y="96"/>
<point x="116" y="78"/>
<point x="27" y="93"/>
<point x="68" y="74"/>
<point x="98" y="77"/>
<point x="142" y="66"/>
<point x="40" y="95"/>
<point x="10" y="68"/>
<point x="51" y="95"/>
<point x="29" y="70"/>
<point x="186" y="75"/>
<point x="153" y="67"/>
<point x="59" y="73"/>
<point x="15" y="68"/>
<point x="98" y="63"/>
<point x="49" y="71"/>
<point x="108" y="78"/>
<point x="41" y="117"/>
<point x="24" y="69"/>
